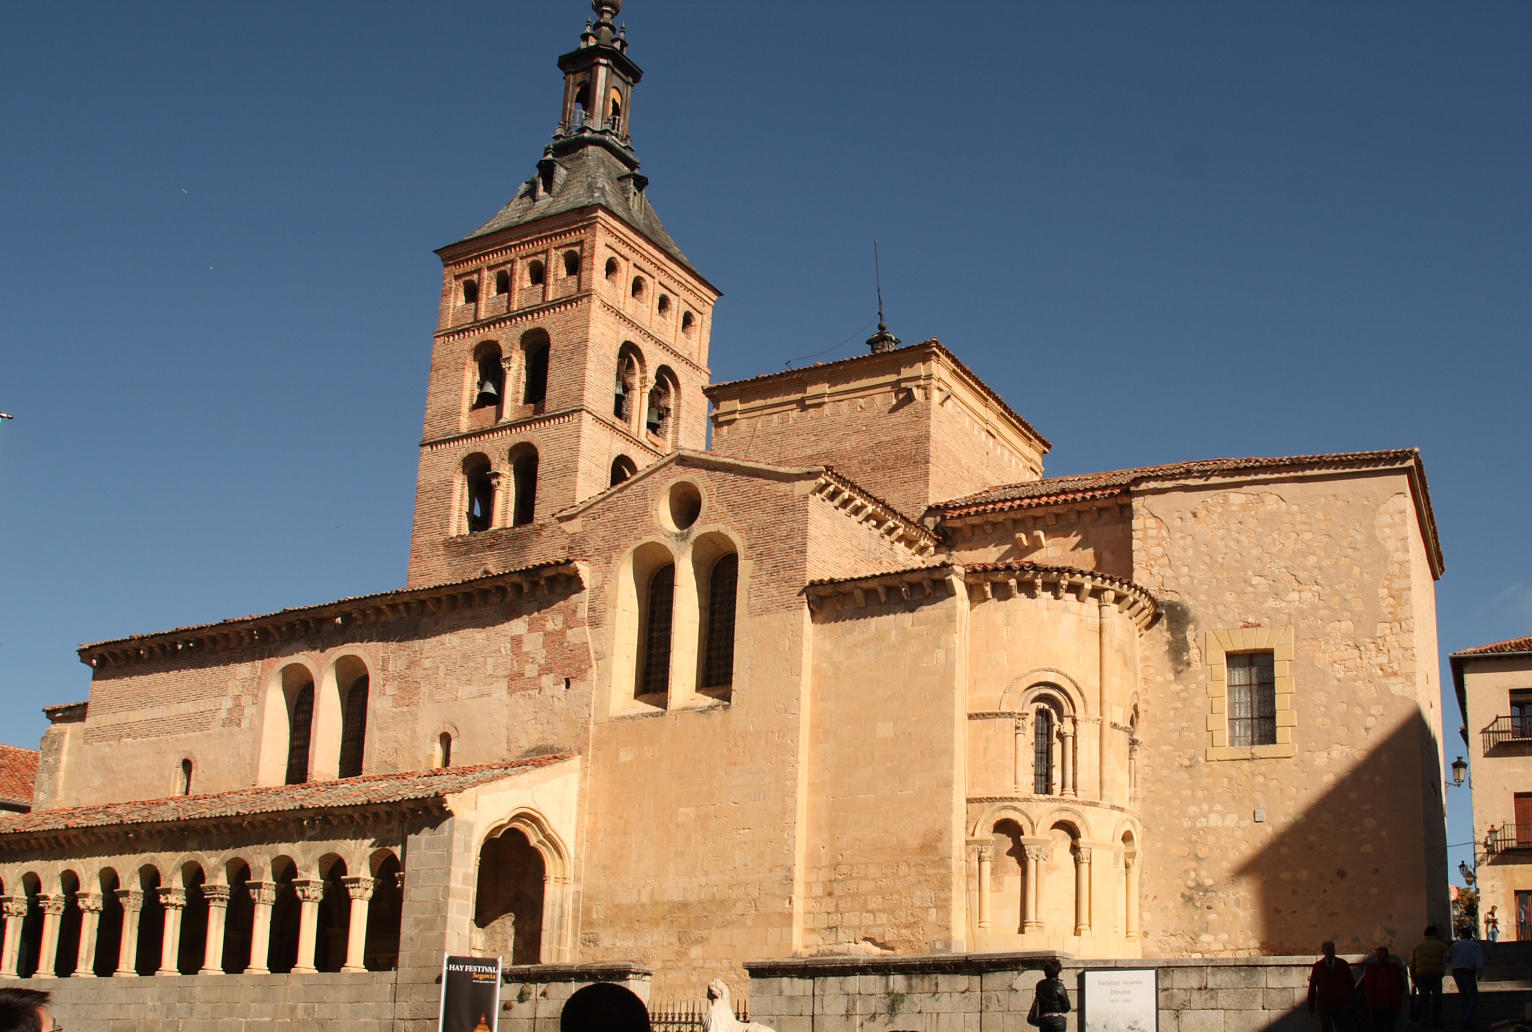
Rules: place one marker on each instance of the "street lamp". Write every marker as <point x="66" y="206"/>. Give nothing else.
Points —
<point x="1459" y="770"/>
<point x="1467" y="873"/>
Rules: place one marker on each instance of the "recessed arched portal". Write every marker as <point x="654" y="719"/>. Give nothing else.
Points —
<point x="604" y="1006"/>
<point x="508" y="909"/>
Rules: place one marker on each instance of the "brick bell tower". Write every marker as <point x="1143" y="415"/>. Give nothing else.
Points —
<point x="572" y="346"/>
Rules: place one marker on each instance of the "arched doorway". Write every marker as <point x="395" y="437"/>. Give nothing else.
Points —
<point x="508" y="907"/>
<point x="604" y="1007"/>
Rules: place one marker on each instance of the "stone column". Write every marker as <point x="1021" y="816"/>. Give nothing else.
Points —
<point x="217" y="897"/>
<point x="1103" y="617"/>
<point x="310" y="892"/>
<point x="132" y="905"/>
<point x="1082" y="890"/>
<point x="14" y="909"/>
<point x="174" y="902"/>
<point x="1067" y="760"/>
<point x="1132" y="770"/>
<point x="1032" y="899"/>
<point x="90" y="927"/>
<point x="986" y="857"/>
<point x="359" y="888"/>
<point x="262" y="896"/>
<point x="47" y="954"/>
<point x="1130" y="909"/>
<point x="1021" y="751"/>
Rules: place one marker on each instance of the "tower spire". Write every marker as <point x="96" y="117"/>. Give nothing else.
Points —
<point x="598" y="88"/>
<point x="882" y="340"/>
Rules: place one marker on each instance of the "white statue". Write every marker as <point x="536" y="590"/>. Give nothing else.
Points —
<point x="720" y="1012"/>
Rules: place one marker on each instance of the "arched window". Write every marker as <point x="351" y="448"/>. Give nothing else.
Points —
<point x="1042" y="751"/>
<point x="718" y="640"/>
<point x="444" y="749"/>
<point x="502" y="282"/>
<point x="663" y="304"/>
<point x="184" y="785"/>
<point x="535" y="272"/>
<point x="353" y="727"/>
<point x="661" y="408"/>
<point x="470" y="291"/>
<point x="491" y="375"/>
<point x="582" y="102"/>
<point x="611" y="268"/>
<point x="571" y="263"/>
<point x="300" y="723"/>
<point x="524" y="485"/>
<point x="614" y="108"/>
<point x="479" y="484"/>
<point x="622" y="469"/>
<point x="627" y="386"/>
<point x="659" y="599"/>
<point x="638" y="287"/>
<point x="687" y="319"/>
<point x="534" y="349"/>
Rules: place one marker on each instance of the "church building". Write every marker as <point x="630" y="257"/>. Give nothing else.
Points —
<point x="855" y="678"/>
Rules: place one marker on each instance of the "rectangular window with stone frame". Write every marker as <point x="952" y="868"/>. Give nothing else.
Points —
<point x="1252" y="688"/>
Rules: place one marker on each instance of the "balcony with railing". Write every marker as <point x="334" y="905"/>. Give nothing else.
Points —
<point x="1507" y="838"/>
<point x="1505" y="730"/>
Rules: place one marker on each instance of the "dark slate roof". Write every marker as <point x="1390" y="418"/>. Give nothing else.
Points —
<point x="18" y="775"/>
<point x="370" y="789"/>
<point x="588" y="177"/>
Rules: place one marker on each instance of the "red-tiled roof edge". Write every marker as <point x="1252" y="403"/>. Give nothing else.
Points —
<point x="538" y="571"/>
<point x="1509" y="647"/>
<point x="1110" y="483"/>
<point x="250" y="800"/>
<point x="18" y="775"/>
<point x="914" y="528"/>
<point x="933" y="343"/>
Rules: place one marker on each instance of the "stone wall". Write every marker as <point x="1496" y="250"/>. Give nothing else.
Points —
<point x="992" y="993"/>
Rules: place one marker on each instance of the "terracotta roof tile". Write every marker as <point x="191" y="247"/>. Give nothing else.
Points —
<point x="18" y="775"/>
<point x="367" y="790"/>
<point x="1509" y="647"/>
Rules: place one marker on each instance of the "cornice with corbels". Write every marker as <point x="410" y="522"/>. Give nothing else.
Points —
<point x="1021" y="524"/>
<point x="536" y="312"/>
<point x="1037" y="581"/>
<point x="866" y="508"/>
<point x="503" y="430"/>
<point x="512" y="586"/>
<point x="930" y="582"/>
<point x="529" y="248"/>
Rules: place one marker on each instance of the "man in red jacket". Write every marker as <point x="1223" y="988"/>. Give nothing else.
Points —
<point x="1330" y="986"/>
<point x="1385" y="989"/>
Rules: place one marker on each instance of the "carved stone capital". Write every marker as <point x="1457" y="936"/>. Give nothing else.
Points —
<point x="1082" y="854"/>
<point x="53" y="905"/>
<point x="310" y="890"/>
<point x="216" y="895"/>
<point x="90" y="902"/>
<point x="171" y="897"/>
<point x="264" y="893"/>
<point x="358" y="886"/>
<point x="132" y="900"/>
<point x="13" y="906"/>
<point x="1037" y="854"/>
<point x="986" y="853"/>
<point x="1021" y="723"/>
<point x="1133" y="744"/>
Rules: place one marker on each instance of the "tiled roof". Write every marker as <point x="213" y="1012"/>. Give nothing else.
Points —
<point x="368" y="790"/>
<point x="383" y="604"/>
<point x="933" y="344"/>
<point x="18" y="775"/>
<point x="1101" y="485"/>
<point x="1509" y="647"/>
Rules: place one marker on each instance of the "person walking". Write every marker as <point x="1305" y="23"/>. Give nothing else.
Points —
<point x="1427" y="968"/>
<point x="1491" y="926"/>
<point x="1465" y="959"/>
<point x="1330" y="988"/>
<point x="1384" y="989"/>
<point x="1050" y="1004"/>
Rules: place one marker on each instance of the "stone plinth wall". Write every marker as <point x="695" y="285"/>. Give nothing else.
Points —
<point x="992" y="992"/>
<point x="226" y="1003"/>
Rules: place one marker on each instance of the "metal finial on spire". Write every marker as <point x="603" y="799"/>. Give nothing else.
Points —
<point x="882" y="340"/>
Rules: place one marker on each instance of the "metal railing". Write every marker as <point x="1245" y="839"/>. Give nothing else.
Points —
<point x="686" y="1017"/>
<point x="1507" y="729"/>
<point x="1507" y="837"/>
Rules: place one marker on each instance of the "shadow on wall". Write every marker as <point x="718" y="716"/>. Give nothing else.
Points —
<point x="1357" y="850"/>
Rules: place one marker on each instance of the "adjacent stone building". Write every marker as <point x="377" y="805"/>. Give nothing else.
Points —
<point x="1494" y="688"/>
<point x="857" y="679"/>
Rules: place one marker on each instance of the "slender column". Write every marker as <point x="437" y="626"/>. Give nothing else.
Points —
<point x="1132" y="770"/>
<point x="132" y="902"/>
<point x="90" y="926"/>
<point x="174" y="902"/>
<point x="986" y="857"/>
<point x="1082" y="890"/>
<point x="14" y="908"/>
<point x="1032" y="900"/>
<point x="359" y="888"/>
<point x="47" y="955"/>
<point x="1021" y="750"/>
<point x="1103" y="616"/>
<point x="310" y="892"/>
<point x="1130" y="880"/>
<point x="262" y="895"/>
<point x="217" y="897"/>
<point x="1067" y="747"/>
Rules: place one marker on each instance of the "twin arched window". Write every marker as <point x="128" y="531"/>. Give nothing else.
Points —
<point x="717" y="585"/>
<point x="314" y="740"/>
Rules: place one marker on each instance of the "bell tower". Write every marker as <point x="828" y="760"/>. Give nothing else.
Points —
<point x="572" y="344"/>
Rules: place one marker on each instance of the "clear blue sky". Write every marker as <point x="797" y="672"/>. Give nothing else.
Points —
<point x="1162" y="231"/>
